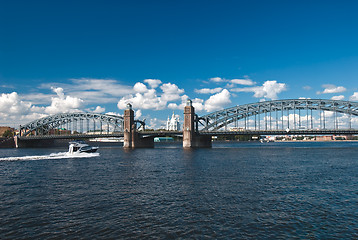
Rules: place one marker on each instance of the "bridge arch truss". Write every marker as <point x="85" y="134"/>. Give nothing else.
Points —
<point x="75" y="122"/>
<point x="282" y="114"/>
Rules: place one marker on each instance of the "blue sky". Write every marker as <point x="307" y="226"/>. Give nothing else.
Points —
<point x="63" y="56"/>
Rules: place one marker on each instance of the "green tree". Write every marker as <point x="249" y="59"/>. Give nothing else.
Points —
<point x="8" y="133"/>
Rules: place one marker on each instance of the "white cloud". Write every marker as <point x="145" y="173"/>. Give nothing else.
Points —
<point x="7" y="86"/>
<point x="217" y="101"/>
<point x="197" y="103"/>
<point x="330" y="88"/>
<point x="217" y="79"/>
<point x="148" y="100"/>
<point x="307" y="88"/>
<point x="138" y="113"/>
<point x="114" y="114"/>
<point x="11" y="104"/>
<point x="92" y="91"/>
<point x="340" y="97"/>
<point x="208" y="90"/>
<point x="62" y="104"/>
<point x="37" y="98"/>
<point x="156" y="123"/>
<point x="354" y="97"/>
<point x="140" y="87"/>
<point x="106" y="86"/>
<point x="58" y="91"/>
<point x="99" y="109"/>
<point x="173" y="106"/>
<point x="95" y="97"/>
<point x="14" y="112"/>
<point x="247" y="82"/>
<point x="171" y="92"/>
<point x="153" y="83"/>
<point x="270" y="89"/>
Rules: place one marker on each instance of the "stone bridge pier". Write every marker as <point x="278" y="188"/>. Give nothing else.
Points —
<point x="131" y="137"/>
<point x="191" y="136"/>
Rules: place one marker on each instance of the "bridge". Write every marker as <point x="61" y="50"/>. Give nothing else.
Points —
<point x="279" y="117"/>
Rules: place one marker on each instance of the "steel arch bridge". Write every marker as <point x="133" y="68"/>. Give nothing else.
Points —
<point x="271" y="109"/>
<point x="260" y="116"/>
<point x="78" y="122"/>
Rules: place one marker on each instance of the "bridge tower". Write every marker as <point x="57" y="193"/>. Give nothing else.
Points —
<point x="131" y="137"/>
<point x="127" y="126"/>
<point x="191" y="137"/>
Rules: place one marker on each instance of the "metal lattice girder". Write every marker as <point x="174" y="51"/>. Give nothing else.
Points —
<point x="43" y="125"/>
<point x="222" y="118"/>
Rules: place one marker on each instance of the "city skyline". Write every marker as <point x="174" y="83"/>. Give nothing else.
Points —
<point x="97" y="57"/>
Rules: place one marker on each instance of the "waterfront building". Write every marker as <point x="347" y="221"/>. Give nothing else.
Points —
<point x="173" y="124"/>
<point x="4" y="129"/>
<point x="324" y="138"/>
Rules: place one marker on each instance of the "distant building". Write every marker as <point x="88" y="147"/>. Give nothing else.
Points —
<point x="173" y="124"/>
<point x="3" y="129"/>
<point x="236" y="129"/>
<point x="324" y="138"/>
<point x="59" y="131"/>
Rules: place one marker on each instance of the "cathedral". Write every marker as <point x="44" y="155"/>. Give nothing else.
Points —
<point x="173" y="124"/>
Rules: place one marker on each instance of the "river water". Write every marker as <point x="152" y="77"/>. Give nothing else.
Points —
<point x="232" y="191"/>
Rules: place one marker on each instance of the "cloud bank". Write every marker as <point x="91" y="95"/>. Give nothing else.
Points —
<point x="149" y="94"/>
<point x="244" y="81"/>
<point x="269" y="89"/>
<point x="170" y="96"/>
<point x="330" y="88"/>
<point x="14" y="111"/>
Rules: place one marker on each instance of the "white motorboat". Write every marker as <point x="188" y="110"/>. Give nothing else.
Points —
<point x="80" y="147"/>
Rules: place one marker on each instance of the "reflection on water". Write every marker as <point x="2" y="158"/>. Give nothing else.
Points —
<point x="234" y="190"/>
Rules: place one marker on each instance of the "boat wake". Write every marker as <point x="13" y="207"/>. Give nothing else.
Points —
<point x="60" y="155"/>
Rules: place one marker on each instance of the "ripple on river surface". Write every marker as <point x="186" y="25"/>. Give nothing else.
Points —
<point x="229" y="191"/>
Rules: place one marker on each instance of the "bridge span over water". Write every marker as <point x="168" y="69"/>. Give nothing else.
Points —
<point x="279" y="117"/>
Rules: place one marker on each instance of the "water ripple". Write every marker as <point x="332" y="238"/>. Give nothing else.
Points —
<point x="236" y="192"/>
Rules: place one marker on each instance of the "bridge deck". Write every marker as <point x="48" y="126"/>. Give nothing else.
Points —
<point x="282" y="132"/>
<point x="104" y="135"/>
<point x="145" y="134"/>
